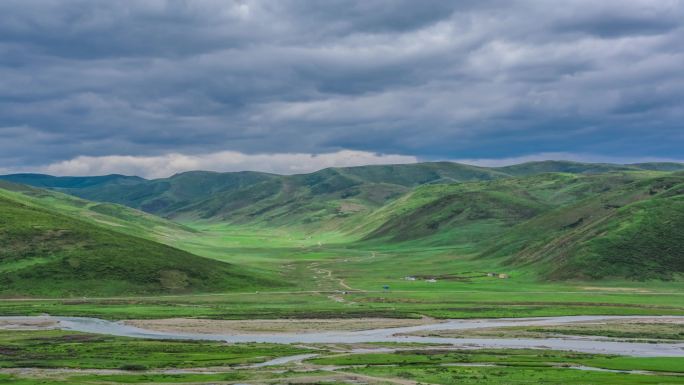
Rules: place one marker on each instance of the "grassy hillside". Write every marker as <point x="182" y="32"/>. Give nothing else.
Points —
<point x="633" y="231"/>
<point x="476" y="211"/>
<point x="116" y="217"/>
<point x="420" y="173"/>
<point x="561" y="220"/>
<point x="251" y="197"/>
<point x="533" y="168"/>
<point x="561" y="226"/>
<point x="46" y="253"/>
<point x="659" y="166"/>
<point x="328" y="195"/>
<point x="71" y="182"/>
<point x="244" y="197"/>
<point x="643" y="241"/>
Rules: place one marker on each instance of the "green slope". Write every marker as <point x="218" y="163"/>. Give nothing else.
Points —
<point x="71" y="182"/>
<point x="561" y="220"/>
<point x="533" y="168"/>
<point x="643" y="241"/>
<point x="118" y="217"/>
<point x="251" y="197"/>
<point x="560" y="226"/>
<point x="331" y="196"/>
<point x="633" y="231"/>
<point x="46" y="253"/>
<point x="420" y="173"/>
<point x="323" y="197"/>
<point x="659" y="166"/>
<point x="477" y="211"/>
<point x="328" y="195"/>
<point x="449" y="214"/>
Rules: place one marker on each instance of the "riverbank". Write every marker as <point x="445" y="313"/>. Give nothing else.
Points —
<point x="404" y="334"/>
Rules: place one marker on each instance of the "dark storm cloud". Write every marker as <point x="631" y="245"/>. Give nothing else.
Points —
<point x="435" y="79"/>
<point x="613" y="20"/>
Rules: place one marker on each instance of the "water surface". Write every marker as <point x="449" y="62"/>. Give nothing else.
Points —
<point x="397" y="335"/>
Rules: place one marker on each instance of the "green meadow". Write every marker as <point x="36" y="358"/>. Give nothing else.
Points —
<point x="311" y="270"/>
<point x="406" y="242"/>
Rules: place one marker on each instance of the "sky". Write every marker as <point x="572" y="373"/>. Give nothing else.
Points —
<point x="155" y="87"/>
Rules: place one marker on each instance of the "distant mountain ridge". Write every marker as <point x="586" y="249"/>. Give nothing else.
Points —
<point x="49" y="181"/>
<point x="247" y="196"/>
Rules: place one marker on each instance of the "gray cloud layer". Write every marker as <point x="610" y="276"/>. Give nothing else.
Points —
<point x="432" y="79"/>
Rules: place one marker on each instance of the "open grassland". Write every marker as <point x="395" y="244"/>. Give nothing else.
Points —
<point x="437" y="249"/>
<point x="58" y="349"/>
<point x="327" y="278"/>
<point x="635" y="329"/>
<point x="504" y="357"/>
<point x="569" y="220"/>
<point x="384" y="376"/>
<point x="508" y="375"/>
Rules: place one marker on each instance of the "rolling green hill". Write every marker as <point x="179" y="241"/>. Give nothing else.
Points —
<point x="242" y="197"/>
<point x="561" y="226"/>
<point x="71" y="182"/>
<point x="326" y="195"/>
<point x="560" y="220"/>
<point x="45" y="252"/>
<point x="633" y="231"/>
<point x="533" y="168"/>
<point x="118" y="217"/>
<point x="480" y="210"/>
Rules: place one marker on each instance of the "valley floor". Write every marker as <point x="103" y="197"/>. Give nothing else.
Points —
<point x="325" y="284"/>
<point x="35" y="352"/>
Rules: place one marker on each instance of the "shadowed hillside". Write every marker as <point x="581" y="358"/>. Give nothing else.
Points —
<point x="45" y="253"/>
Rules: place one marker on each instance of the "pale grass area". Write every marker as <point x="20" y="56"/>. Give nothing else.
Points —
<point x="616" y="289"/>
<point x="29" y="323"/>
<point x="595" y="328"/>
<point x="231" y="327"/>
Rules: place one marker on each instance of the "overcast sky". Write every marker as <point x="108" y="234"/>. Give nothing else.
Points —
<point x="156" y="87"/>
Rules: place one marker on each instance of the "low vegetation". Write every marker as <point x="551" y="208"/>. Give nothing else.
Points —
<point x="650" y="331"/>
<point x="145" y="361"/>
<point x="58" y="349"/>
<point x="47" y="253"/>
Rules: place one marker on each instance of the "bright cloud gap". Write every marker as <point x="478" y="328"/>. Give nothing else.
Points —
<point x="224" y="161"/>
<point x="280" y="163"/>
